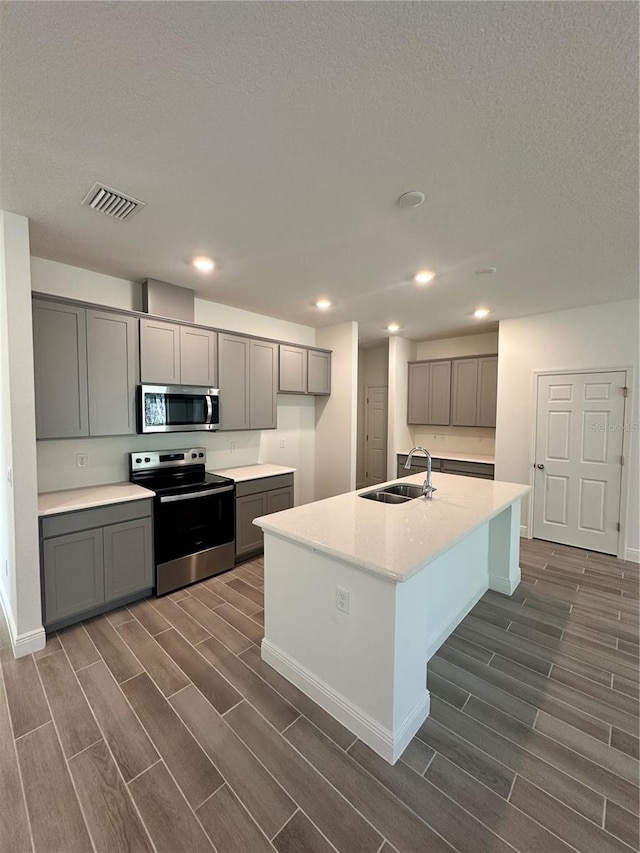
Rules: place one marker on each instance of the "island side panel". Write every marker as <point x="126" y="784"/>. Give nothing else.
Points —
<point x="504" y="550"/>
<point x="343" y="661"/>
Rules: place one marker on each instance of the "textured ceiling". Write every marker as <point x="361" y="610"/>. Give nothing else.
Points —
<point x="276" y="137"/>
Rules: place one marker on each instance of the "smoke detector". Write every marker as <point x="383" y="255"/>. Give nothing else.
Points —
<point x="112" y="202"/>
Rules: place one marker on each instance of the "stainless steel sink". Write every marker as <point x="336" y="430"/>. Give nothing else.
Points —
<point x="398" y="493"/>
<point x="385" y="497"/>
<point x="408" y="490"/>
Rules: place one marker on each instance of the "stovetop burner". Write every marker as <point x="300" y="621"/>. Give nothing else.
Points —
<point x="173" y="471"/>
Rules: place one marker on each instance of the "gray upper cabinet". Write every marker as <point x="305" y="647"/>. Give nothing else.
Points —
<point x="475" y="386"/>
<point x="160" y="352"/>
<point x="464" y="403"/>
<point x="263" y="384"/>
<point x="487" y="391"/>
<point x="293" y="369"/>
<point x="233" y="381"/>
<point x="112" y="361"/>
<point x="198" y="356"/>
<point x="60" y="364"/>
<point x="304" y="370"/>
<point x="318" y="372"/>
<point x="430" y="393"/>
<point x="248" y="382"/>
<point x="172" y="354"/>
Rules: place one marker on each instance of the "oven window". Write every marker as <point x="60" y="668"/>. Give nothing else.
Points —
<point x="186" y="527"/>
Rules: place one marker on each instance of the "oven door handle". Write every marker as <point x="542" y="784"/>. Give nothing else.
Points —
<point x="166" y="499"/>
<point x="209" y="417"/>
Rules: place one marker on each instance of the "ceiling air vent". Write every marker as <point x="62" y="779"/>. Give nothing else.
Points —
<point x="112" y="202"/>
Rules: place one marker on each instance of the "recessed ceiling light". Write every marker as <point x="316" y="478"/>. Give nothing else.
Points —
<point x="486" y="271"/>
<point x="480" y="313"/>
<point x="323" y="304"/>
<point x="203" y="264"/>
<point x="393" y="327"/>
<point x="424" y="277"/>
<point x="414" y="198"/>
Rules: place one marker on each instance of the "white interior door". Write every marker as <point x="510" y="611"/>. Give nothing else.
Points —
<point x="376" y="436"/>
<point x="579" y="432"/>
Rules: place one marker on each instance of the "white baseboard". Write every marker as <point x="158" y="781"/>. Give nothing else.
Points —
<point x="434" y="642"/>
<point x="22" y="644"/>
<point x="632" y="554"/>
<point x="386" y="743"/>
<point x="524" y="532"/>
<point x="504" y="585"/>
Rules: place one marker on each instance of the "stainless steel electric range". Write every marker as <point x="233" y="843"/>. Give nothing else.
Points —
<point x="194" y="515"/>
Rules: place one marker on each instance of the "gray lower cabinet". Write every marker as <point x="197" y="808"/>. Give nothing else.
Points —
<point x="73" y="574"/>
<point x="93" y="560"/>
<point x="248" y="372"/>
<point x="482" y="470"/>
<point x="304" y="370"/>
<point x="253" y="499"/>
<point x="86" y="371"/>
<point x="60" y="366"/>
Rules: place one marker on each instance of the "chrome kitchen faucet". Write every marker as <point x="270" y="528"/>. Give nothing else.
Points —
<point x="427" y="487"/>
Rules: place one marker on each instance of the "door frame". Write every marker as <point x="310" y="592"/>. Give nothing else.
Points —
<point x="627" y="434"/>
<point x="366" y="427"/>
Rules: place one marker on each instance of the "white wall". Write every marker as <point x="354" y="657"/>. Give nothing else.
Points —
<point x="373" y="371"/>
<point x="399" y="438"/>
<point x="591" y="338"/>
<point x="107" y="457"/>
<point x="440" y="439"/>
<point x="336" y="416"/>
<point x="19" y="550"/>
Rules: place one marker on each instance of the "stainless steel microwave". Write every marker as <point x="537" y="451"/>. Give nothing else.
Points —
<point x="177" y="408"/>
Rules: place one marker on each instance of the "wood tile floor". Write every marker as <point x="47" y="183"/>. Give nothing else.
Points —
<point x="160" y="728"/>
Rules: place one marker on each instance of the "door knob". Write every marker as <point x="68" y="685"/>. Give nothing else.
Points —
<point x="540" y="466"/>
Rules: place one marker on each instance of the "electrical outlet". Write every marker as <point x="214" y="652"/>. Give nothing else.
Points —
<point x="9" y="476"/>
<point x="282" y="442"/>
<point x="233" y="446"/>
<point x="342" y="599"/>
<point x="81" y="460"/>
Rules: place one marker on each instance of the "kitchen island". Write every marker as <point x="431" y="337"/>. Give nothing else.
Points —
<point x="359" y="595"/>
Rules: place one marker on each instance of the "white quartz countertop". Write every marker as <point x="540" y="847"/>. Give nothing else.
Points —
<point x="395" y="540"/>
<point x="457" y="457"/>
<point x="69" y="500"/>
<point x="252" y="472"/>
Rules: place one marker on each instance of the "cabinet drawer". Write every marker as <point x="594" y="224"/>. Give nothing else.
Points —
<point x="468" y="469"/>
<point x="263" y="484"/>
<point x="418" y="465"/>
<point x="85" y="519"/>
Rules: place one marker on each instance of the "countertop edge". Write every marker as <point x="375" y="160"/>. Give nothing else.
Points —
<point x="376" y="569"/>
<point x="137" y="493"/>
<point x="256" y="475"/>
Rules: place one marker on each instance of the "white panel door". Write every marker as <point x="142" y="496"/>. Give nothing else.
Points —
<point x="579" y="432"/>
<point x="376" y="436"/>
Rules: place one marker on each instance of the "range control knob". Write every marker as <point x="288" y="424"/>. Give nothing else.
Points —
<point x="138" y="459"/>
<point x="194" y="455"/>
<point x="147" y="459"/>
<point x="201" y="455"/>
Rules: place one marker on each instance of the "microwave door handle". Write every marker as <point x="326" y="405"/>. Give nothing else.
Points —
<point x="209" y="410"/>
<point x="166" y="499"/>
